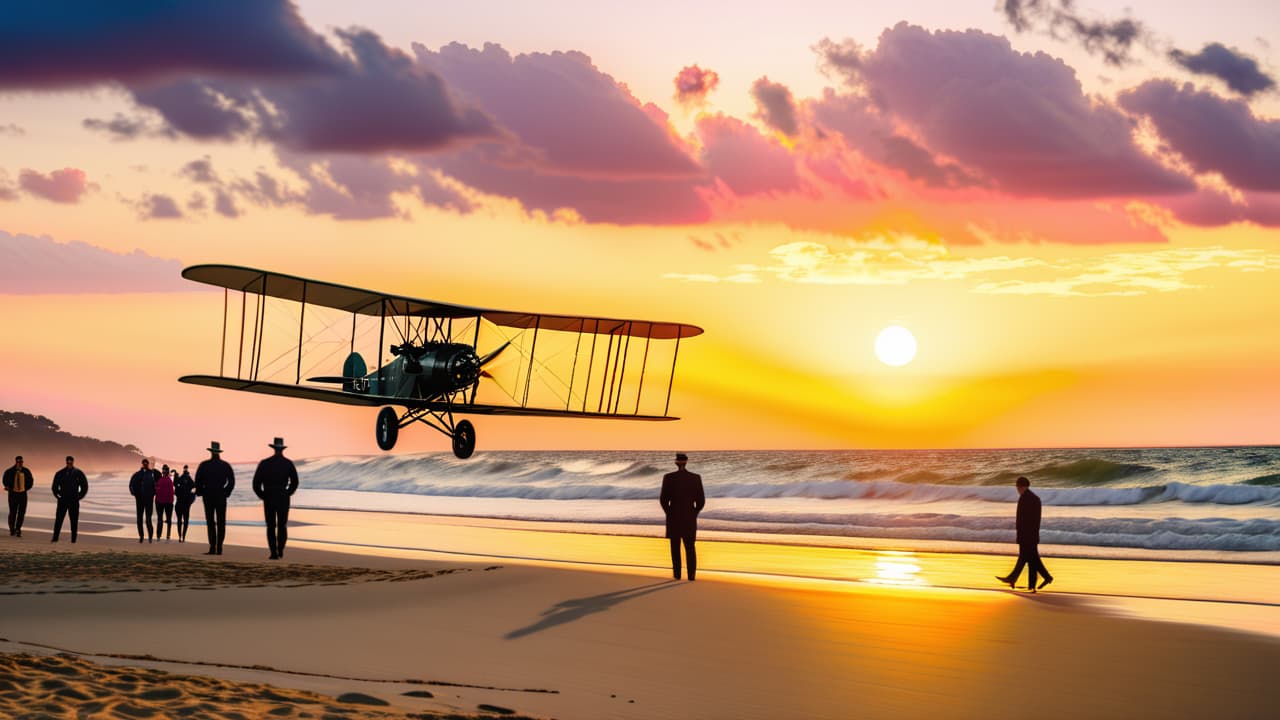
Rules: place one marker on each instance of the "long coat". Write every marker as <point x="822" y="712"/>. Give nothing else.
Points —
<point x="1028" y="519"/>
<point x="682" y="499"/>
<point x="215" y="481"/>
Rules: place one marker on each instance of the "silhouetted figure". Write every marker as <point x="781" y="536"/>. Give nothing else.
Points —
<point x="184" y="495"/>
<point x="164" y="503"/>
<point x="18" y="481"/>
<point x="1028" y="524"/>
<point x="214" y="483"/>
<point x="274" y="482"/>
<point x="142" y="486"/>
<point x="69" y="487"/>
<point x="682" y="499"/>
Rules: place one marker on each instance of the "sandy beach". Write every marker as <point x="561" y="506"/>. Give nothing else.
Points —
<point x="512" y="618"/>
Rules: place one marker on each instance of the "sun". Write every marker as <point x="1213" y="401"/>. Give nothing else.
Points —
<point x="895" y="346"/>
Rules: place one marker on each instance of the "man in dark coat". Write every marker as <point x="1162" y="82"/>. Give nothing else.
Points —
<point x="142" y="486"/>
<point x="1028" y="524"/>
<point x="214" y="483"/>
<point x="682" y="499"/>
<point x="184" y="495"/>
<point x="18" y="481"/>
<point x="274" y="482"/>
<point x="69" y="487"/>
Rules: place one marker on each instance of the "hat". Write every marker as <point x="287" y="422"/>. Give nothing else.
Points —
<point x="278" y="444"/>
<point x="215" y="446"/>
<point x="681" y="457"/>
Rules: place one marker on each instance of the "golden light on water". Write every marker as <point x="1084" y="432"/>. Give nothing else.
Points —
<point x="895" y="567"/>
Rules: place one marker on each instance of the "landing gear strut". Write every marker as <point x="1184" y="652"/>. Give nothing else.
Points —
<point x="462" y="433"/>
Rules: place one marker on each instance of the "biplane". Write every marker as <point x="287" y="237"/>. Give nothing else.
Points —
<point x="443" y="360"/>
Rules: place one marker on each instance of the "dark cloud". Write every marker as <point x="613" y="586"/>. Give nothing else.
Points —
<point x="123" y="127"/>
<point x="200" y="171"/>
<point x="62" y="43"/>
<point x="745" y="160"/>
<point x="67" y="185"/>
<point x="1211" y="209"/>
<point x="376" y="100"/>
<point x="1213" y="133"/>
<point x="1020" y="120"/>
<point x="224" y="204"/>
<point x="39" y="265"/>
<point x="382" y="101"/>
<point x="1239" y="71"/>
<point x="775" y="107"/>
<point x="1114" y="40"/>
<point x="840" y="60"/>
<point x="873" y="134"/>
<point x="202" y="109"/>
<point x="693" y="84"/>
<point x="197" y="202"/>
<point x="158" y="207"/>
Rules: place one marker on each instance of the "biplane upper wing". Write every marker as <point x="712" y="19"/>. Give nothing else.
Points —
<point x="367" y="302"/>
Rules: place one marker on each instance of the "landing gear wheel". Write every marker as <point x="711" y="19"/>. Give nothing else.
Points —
<point x="464" y="439"/>
<point x="387" y="428"/>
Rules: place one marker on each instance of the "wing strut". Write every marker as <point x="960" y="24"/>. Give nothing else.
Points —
<point x="302" y="319"/>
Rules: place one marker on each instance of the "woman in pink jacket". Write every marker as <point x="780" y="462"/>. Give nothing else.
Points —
<point x="164" y="503"/>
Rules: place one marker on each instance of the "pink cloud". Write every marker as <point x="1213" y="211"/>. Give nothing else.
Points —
<point x="1020" y="119"/>
<point x="744" y="159"/>
<point x="693" y="84"/>
<point x="67" y="185"/>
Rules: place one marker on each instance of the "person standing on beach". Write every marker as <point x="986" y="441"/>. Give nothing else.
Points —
<point x="164" y="503"/>
<point x="142" y="486"/>
<point x="214" y="483"/>
<point x="69" y="487"/>
<point x="18" y="481"/>
<point x="1028" y="524"/>
<point x="274" y="482"/>
<point x="682" y="499"/>
<point x="184" y="495"/>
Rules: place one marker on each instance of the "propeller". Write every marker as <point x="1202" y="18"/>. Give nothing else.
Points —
<point x="485" y="360"/>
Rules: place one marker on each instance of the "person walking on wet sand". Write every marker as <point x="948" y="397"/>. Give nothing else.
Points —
<point x="18" y="481"/>
<point x="1028" y="524"/>
<point x="164" y="503"/>
<point x="214" y="483"/>
<point x="142" y="486"/>
<point x="682" y="499"/>
<point x="184" y="495"/>
<point x="274" y="482"/>
<point x="69" y="487"/>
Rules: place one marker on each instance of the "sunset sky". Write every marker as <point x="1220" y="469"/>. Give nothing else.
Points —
<point x="1074" y="207"/>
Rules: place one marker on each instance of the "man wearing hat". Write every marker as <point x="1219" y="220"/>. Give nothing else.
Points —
<point x="214" y="483"/>
<point x="274" y="482"/>
<point x="17" y="480"/>
<point x="682" y="499"/>
<point x="69" y="487"/>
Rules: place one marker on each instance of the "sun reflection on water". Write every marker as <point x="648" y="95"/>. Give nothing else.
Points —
<point x="897" y="567"/>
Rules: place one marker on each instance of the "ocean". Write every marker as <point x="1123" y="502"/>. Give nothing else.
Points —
<point x="1168" y="503"/>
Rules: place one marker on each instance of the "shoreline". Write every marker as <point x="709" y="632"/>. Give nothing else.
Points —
<point x="745" y="645"/>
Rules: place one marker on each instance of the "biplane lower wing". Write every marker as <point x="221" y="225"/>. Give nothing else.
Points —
<point x="305" y="392"/>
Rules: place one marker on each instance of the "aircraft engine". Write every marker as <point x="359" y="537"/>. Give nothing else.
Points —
<point x="441" y="367"/>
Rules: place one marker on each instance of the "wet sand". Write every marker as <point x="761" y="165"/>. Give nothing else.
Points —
<point x="518" y="630"/>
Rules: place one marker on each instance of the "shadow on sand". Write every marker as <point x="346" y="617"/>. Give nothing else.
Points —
<point x="578" y="608"/>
